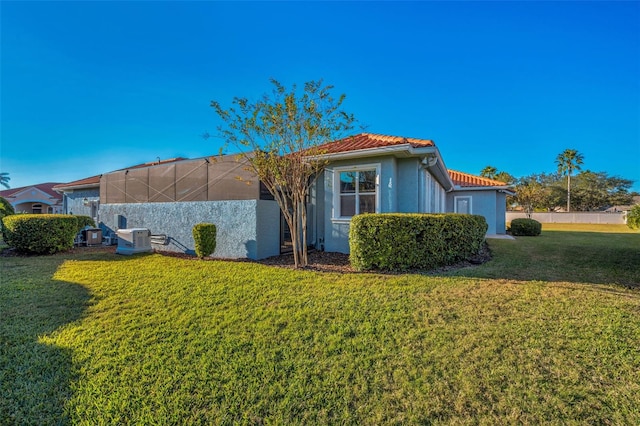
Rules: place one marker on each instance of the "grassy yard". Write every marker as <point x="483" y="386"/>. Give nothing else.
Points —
<point x="547" y="332"/>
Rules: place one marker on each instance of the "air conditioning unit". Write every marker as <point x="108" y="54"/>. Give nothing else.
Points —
<point x="134" y="240"/>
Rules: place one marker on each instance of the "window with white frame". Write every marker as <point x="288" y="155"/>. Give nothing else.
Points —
<point x="462" y="204"/>
<point x="356" y="190"/>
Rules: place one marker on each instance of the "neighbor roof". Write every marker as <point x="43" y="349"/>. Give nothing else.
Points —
<point x="467" y="180"/>
<point x="81" y="183"/>
<point x="369" y="141"/>
<point x="47" y="188"/>
<point x="94" y="181"/>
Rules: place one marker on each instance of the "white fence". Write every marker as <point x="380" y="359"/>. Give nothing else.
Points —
<point x="618" y="218"/>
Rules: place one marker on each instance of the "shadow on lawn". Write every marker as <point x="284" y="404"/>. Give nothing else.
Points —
<point x="35" y="377"/>
<point x="577" y="257"/>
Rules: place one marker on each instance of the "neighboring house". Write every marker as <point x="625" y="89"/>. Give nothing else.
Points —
<point x="365" y="173"/>
<point x="624" y="208"/>
<point x="40" y="198"/>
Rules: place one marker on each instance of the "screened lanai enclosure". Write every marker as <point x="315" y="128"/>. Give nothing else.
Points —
<point x="170" y="197"/>
<point x="204" y="179"/>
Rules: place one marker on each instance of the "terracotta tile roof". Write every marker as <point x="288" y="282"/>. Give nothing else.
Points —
<point x="93" y="180"/>
<point x="467" y="180"/>
<point x="369" y="141"/>
<point x="44" y="187"/>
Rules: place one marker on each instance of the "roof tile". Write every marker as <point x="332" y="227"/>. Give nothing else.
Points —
<point x="369" y="141"/>
<point x="468" y="180"/>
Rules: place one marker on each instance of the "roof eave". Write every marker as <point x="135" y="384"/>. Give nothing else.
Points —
<point x="441" y="173"/>
<point x="504" y="189"/>
<point x="74" y="187"/>
<point x="404" y="150"/>
<point x="439" y="169"/>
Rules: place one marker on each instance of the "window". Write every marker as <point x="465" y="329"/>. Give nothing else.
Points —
<point x="462" y="204"/>
<point x="356" y="191"/>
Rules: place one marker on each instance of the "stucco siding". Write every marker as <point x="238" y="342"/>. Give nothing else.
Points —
<point x="408" y="185"/>
<point x="483" y="203"/>
<point x="336" y="231"/>
<point x="74" y="201"/>
<point x="238" y="235"/>
<point x="267" y="229"/>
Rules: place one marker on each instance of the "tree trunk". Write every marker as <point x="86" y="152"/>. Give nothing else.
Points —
<point x="295" y="239"/>
<point x="568" y="192"/>
<point x="303" y="219"/>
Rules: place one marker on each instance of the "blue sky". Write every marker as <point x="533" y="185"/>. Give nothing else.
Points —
<point x="90" y="87"/>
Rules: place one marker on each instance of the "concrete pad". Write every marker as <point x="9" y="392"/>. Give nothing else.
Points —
<point x="500" y="236"/>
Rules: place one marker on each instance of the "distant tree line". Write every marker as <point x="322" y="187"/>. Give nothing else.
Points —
<point x="584" y="191"/>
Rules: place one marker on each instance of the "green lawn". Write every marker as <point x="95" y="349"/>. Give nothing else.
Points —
<point x="547" y="332"/>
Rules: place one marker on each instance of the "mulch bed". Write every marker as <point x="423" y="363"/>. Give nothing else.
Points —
<point x="323" y="261"/>
<point x="320" y="261"/>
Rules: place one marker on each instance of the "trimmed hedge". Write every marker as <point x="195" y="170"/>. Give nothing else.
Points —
<point x="392" y="241"/>
<point x="39" y="233"/>
<point x="84" y="221"/>
<point x="204" y="235"/>
<point x="525" y="227"/>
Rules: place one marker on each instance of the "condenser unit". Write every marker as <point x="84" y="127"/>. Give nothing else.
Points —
<point x="134" y="240"/>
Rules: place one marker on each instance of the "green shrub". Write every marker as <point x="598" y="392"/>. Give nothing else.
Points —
<point x="633" y="217"/>
<point x="6" y="208"/>
<point x="407" y="241"/>
<point x="204" y="235"/>
<point x="84" y="221"/>
<point x="525" y="227"/>
<point x="39" y="233"/>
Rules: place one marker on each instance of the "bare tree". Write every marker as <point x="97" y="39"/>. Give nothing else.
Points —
<point x="279" y="135"/>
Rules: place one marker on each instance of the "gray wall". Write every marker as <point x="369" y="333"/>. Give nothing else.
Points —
<point x="485" y="203"/>
<point x="399" y="192"/>
<point x="245" y="229"/>
<point x="409" y="172"/>
<point x="74" y="201"/>
<point x="577" y="217"/>
<point x="336" y="232"/>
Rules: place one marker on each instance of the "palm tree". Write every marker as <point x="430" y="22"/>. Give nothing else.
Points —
<point x="568" y="161"/>
<point x="489" y="172"/>
<point x="4" y="179"/>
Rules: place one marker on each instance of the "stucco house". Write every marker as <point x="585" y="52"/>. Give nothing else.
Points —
<point x="371" y="173"/>
<point x="40" y="198"/>
<point x="364" y="173"/>
<point x="81" y="197"/>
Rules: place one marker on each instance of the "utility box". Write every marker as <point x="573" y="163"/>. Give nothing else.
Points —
<point x="134" y="240"/>
<point x="92" y="237"/>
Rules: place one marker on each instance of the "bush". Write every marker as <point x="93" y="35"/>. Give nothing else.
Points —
<point x="6" y="208"/>
<point x="84" y="221"/>
<point x="525" y="227"/>
<point x="633" y="217"/>
<point x="406" y="241"/>
<point x="39" y="233"/>
<point x="204" y="235"/>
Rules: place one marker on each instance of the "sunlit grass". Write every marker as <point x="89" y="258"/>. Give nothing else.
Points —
<point x="106" y="339"/>
<point x="589" y="227"/>
<point x="581" y="254"/>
